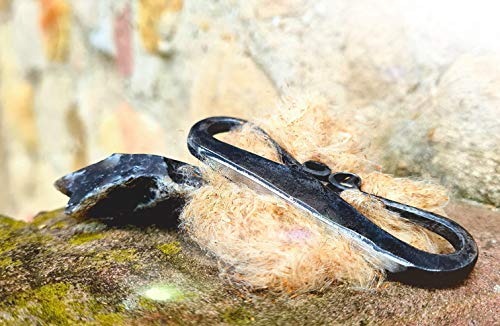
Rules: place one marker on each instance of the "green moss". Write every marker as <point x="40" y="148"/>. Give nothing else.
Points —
<point x="48" y="304"/>
<point x="14" y="233"/>
<point x="7" y="227"/>
<point x="118" y="255"/>
<point x="109" y="319"/>
<point x="5" y="233"/>
<point x="58" y="225"/>
<point x="51" y="300"/>
<point x="59" y="304"/>
<point x="84" y="238"/>
<point x="170" y="249"/>
<point x="146" y="304"/>
<point x="237" y="316"/>
<point x="7" y="261"/>
<point x="6" y="245"/>
<point x="12" y="224"/>
<point x="43" y="218"/>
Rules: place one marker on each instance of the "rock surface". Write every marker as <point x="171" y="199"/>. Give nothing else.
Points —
<point x="456" y="136"/>
<point x="58" y="271"/>
<point x="83" y="79"/>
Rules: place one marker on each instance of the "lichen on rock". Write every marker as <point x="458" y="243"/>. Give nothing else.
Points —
<point x="55" y="24"/>
<point x="157" y="21"/>
<point x="170" y="249"/>
<point x="73" y="275"/>
<point x="124" y="278"/>
<point x="84" y="238"/>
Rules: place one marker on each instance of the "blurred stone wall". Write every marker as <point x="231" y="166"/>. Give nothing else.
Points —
<point x="82" y="79"/>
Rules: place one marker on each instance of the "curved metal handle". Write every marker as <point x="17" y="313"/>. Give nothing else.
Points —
<point x="290" y="182"/>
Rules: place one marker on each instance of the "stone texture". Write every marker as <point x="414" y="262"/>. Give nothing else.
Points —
<point x="26" y="36"/>
<point x="230" y="84"/>
<point x="19" y="143"/>
<point x="127" y="130"/>
<point x="56" y="270"/>
<point x="157" y="22"/>
<point x="55" y="24"/>
<point x="122" y="39"/>
<point x="382" y="65"/>
<point x="456" y="138"/>
<point x="59" y="146"/>
<point x="4" y="5"/>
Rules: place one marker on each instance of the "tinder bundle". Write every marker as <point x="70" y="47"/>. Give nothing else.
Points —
<point x="264" y="242"/>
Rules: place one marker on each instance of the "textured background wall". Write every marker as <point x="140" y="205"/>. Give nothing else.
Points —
<point x="82" y="79"/>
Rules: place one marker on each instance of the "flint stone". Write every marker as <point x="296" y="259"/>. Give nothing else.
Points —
<point x="129" y="188"/>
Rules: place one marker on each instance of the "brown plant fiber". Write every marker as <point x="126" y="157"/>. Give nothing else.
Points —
<point x="263" y="242"/>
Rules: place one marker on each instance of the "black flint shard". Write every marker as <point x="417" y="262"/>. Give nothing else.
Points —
<point x="136" y="189"/>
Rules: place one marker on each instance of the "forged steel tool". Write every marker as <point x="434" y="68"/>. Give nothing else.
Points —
<point x="313" y="188"/>
<point x="139" y="188"/>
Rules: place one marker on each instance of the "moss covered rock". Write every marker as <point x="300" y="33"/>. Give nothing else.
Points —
<point x="59" y="271"/>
